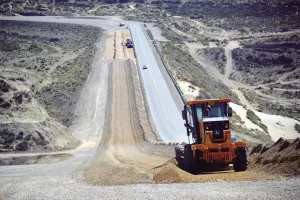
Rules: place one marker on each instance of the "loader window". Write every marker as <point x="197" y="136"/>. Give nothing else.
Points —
<point x="199" y="113"/>
<point x="215" y="112"/>
<point x="218" y="110"/>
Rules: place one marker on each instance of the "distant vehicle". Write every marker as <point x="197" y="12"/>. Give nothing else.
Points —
<point x="121" y="24"/>
<point x="129" y="44"/>
<point x="128" y="41"/>
<point x="144" y="67"/>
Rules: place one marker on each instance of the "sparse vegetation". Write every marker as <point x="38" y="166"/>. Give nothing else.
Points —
<point x="34" y="47"/>
<point x="8" y="45"/>
<point x="263" y="105"/>
<point x="250" y="62"/>
<point x="216" y="55"/>
<point x="68" y="79"/>
<point x="192" y="87"/>
<point x="31" y="56"/>
<point x="185" y="68"/>
<point x="260" y="52"/>
<point x="256" y="120"/>
<point x="297" y="127"/>
<point x="236" y="124"/>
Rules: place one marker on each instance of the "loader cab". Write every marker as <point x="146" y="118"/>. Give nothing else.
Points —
<point x="208" y="117"/>
<point x="216" y="126"/>
<point x="218" y="109"/>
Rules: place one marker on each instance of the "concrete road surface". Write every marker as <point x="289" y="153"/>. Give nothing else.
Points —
<point x="166" y="116"/>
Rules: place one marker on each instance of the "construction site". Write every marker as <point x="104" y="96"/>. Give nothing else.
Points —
<point x="102" y="107"/>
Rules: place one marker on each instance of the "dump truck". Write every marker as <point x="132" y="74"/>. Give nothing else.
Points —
<point x="211" y="146"/>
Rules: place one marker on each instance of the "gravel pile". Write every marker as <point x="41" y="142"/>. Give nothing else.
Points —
<point x="282" y="157"/>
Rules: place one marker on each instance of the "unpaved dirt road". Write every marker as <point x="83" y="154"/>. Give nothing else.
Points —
<point x="114" y="129"/>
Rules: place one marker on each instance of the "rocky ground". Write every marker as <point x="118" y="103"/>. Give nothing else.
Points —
<point x="43" y="66"/>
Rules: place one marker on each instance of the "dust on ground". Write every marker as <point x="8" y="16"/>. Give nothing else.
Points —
<point x="242" y="112"/>
<point x="121" y="157"/>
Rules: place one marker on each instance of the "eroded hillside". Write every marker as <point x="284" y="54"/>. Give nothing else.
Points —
<point x="247" y="50"/>
<point x="43" y="66"/>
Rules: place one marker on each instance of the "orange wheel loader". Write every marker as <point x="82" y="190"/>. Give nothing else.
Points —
<point x="212" y="146"/>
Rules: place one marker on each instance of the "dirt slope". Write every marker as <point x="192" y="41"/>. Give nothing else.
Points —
<point x="282" y="157"/>
<point x="24" y="124"/>
<point x="42" y="67"/>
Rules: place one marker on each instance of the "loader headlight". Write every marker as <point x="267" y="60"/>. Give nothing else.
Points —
<point x="207" y="126"/>
<point x="226" y="126"/>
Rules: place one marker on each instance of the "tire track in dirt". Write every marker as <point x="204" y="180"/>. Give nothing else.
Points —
<point x="120" y="159"/>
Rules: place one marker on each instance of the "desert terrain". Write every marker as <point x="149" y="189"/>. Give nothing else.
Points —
<point x="73" y="107"/>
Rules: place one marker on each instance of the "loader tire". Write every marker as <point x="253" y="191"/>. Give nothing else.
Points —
<point x="179" y="156"/>
<point x="189" y="162"/>
<point x="241" y="163"/>
<point x="179" y="149"/>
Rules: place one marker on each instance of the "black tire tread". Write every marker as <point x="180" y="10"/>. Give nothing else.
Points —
<point x="189" y="163"/>
<point x="179" y="151"/>
<point x="241" y="163"/>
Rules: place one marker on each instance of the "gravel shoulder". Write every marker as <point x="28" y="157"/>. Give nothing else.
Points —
<point x="267" y="189"/>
